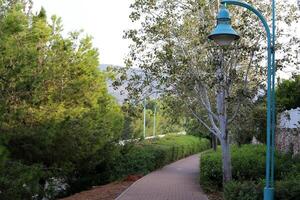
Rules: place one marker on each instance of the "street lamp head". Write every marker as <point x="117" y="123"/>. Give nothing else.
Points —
<point x="223" y="34"/>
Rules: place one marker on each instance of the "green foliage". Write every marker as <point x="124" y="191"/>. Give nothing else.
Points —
<point x="149" y="155"/>
<point x="171" y="49"/>
<point x="288" y="93"/>
<point x="56" y="113"/>
<point x="248" y="164"/>
<point x="131" y="113"/>
<point x="287" y="97"/>
<point x="115" y="162"/>
<point x="18" y="181"/>
<point x="3" y="156"/>
<point x="259" y="121"/>
<point x="249" y="190"/>
<point x="244" y="131"/>
<point x="211" y="171"/>
<point x="134" y="116"/>
<point x="193" y="127"/>
<point x="288" y="189"/>
<point x="235" y="190"/>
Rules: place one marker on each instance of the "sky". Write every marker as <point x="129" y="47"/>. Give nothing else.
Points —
<point x="104" y="20"/>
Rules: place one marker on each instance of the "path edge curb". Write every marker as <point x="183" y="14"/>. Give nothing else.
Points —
<point x="118" y="197"/>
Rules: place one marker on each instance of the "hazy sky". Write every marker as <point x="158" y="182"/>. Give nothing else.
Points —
<point x="105" y="20"/>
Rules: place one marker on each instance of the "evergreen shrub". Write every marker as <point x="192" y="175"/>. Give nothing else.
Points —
<point x="149" y="155"/>
<point x="248" y="164"/>
<point x="248" y="172"/>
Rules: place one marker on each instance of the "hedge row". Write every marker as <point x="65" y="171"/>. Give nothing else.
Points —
<point x="248" y="169"/>
<point x="248" y="163"/>
<point x="149" y="155"/>
<point x="138" y="159"/>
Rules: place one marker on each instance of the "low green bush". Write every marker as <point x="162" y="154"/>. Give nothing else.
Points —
<point x="149" y="155"/>
<point x="247" y="190"/>
<point x="250" y="190"/>
<point x="19" y="181"/>
<point x="248" y="164"/>
<point x="139" y="158"/>
<point x="288" y="189"/>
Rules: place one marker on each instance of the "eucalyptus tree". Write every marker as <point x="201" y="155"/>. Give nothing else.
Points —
<point x="172" y="49"/>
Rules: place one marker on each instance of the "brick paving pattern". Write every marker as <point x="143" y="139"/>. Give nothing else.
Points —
<point x="177" y="181"/>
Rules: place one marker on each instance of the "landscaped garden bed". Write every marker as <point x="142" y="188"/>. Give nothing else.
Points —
<point x="248" y="171"/>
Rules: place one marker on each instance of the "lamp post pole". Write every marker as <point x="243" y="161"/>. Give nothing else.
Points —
<point x="273" y="92"/>
<point x="154" y="121"/>
<point x="144" y="130"/>
<point x="224" y="34"/>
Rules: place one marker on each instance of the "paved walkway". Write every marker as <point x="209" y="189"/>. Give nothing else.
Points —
<point x="177" y="181"/>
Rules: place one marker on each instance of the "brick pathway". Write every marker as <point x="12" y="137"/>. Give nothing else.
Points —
<point x="177" y="181"/>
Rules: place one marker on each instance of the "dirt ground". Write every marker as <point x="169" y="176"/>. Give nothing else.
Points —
<point x="105" y="192"/>
<point x="215" y="196"/>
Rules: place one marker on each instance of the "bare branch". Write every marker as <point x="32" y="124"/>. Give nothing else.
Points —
<point x="183" y="5"/>
<point x="235" y="112"/>
<point x="213" y="131"/>
<point x="205" y="102"/>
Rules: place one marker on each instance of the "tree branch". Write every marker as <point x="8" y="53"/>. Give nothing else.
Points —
<point x="205" y="102"/>
<point x="213" y="131"/>
<point x="245" y="85"/>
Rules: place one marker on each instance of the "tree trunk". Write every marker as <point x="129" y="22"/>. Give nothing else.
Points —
<point x="226" y="160"/>
<point x="224" y="140"/>
<point x="214" y="142"/>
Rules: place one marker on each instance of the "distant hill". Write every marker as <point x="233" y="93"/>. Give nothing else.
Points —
<point x="120" y="94"/>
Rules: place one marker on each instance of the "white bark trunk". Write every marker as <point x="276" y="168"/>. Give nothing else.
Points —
<point x="223" y="126"/>
<point x="217" y="122"/>
<point x="226" y="160"/>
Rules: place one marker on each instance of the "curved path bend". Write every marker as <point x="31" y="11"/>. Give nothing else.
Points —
<point x="177" y="181"/>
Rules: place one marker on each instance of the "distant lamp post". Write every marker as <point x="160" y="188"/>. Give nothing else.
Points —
<point x="224" y="35"/>
<point x="145" y="110"/>
<point x="154" y="120"/>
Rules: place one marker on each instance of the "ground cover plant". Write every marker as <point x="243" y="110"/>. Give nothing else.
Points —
<point x="248" y="170"/>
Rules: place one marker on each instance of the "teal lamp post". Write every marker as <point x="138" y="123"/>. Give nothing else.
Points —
<point x="144" y="125"/>
<point x="224" y="35"/>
